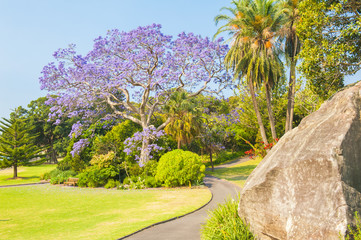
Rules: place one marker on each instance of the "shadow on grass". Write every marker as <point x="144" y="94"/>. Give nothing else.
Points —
<point x="24" y="178"/>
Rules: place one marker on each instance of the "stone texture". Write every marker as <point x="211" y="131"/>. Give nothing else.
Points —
<point x="308" y="186"/>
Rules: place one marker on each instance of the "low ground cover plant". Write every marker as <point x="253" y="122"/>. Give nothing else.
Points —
<point x="180" y="168"/>
<point x="224" y="223"/>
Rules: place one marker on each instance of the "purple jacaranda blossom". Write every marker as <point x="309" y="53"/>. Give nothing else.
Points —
<point x="135" y="144"/>
<point x="79" y="146"/>
<point x="76" y="130"/>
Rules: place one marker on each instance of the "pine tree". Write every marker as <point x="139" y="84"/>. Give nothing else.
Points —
<point x="16" y="144"/>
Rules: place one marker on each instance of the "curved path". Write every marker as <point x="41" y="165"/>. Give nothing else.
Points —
<point x="188" y="227"/>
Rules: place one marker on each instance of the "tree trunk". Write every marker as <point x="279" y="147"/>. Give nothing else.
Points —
<point x="270" y="111"/>
<point x="291" y="96"/>
<point x="258" y="114"/>
<point x="15" y="170"/>
<point x="144" y="154"/>
<point x="53" y="153"/>
<point x="178" y="143"/>
<point x="54" y="158"/>
<point x="211" y="158"/>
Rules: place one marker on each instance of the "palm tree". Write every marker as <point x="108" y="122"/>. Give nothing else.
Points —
<point x="184" y="124"/>
<point x="254" y="27"/>
<point x="292" y="48"/>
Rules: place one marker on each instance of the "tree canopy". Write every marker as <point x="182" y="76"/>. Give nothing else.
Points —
<point x="131" y="74"/>
<point x="331" y="34"/>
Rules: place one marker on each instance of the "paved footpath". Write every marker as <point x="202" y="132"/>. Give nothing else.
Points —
<point x="188" y="227"/>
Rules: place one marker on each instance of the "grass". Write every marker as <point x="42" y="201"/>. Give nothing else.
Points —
<point x="57" y="212"/>
<point x="25" y="174"/>
<point x="221" y="158"/>
<point x="237" y="174"/>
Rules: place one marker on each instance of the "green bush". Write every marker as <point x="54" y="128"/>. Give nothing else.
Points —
<point x="149" y="169"/>
<point x="94" y="177"/>
<point x="224" y="223"/>
<point x="101" y="171"/>
<point x="151" y="182"/>
<point x="112" y="184"/>
<point x="179" y="168"/>
<point x="57" y="176"/>
<point x="45" y="176"/>
<point x="354" y="232"/>
<point x="114" y="139"/>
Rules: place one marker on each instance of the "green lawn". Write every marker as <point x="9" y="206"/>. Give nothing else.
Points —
<point x="58" y="212"/>
<point x="237" y="174"/>
<point x="25" y="174"/>
<point x="221" y="158"/>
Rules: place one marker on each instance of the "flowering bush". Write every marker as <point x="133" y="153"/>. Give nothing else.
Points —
<point x="259" y="149"/>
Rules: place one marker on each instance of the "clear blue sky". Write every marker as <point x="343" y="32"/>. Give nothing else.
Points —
<point x="31" y="30"/>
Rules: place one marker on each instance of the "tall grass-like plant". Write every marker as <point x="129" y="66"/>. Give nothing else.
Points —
<point x="355" y="233"/>
<point x="224" y="223"/>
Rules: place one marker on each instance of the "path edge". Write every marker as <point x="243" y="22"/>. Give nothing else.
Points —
<point x="171" y="219"/>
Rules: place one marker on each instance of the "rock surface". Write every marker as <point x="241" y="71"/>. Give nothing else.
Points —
<point x="308" y="186"/>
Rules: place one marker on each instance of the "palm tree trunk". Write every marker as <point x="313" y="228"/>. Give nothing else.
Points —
<point x="269" y="109"/>
<point x="291" y="96"/>
<point x="179" y="144"/>
<point x="258" y="114"/>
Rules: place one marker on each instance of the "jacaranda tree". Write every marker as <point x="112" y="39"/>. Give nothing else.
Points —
<point x="131" y="75"/>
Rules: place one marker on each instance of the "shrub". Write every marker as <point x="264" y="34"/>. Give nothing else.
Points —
<point x="45" y="176"/>
<point x="151" y="182"/>
<point x="179" y="168"/>
<point x="94" y="177"/>
<point x="149" y="169"/>
<point x="57" y="176"/>
<point x="112" y="184"/>
<point x="101" y="171"/>
<point x="224" y="223"/>
<point x="114" y="139"/>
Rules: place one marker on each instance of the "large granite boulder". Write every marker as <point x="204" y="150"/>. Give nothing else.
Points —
<point x="308" y="186"/>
